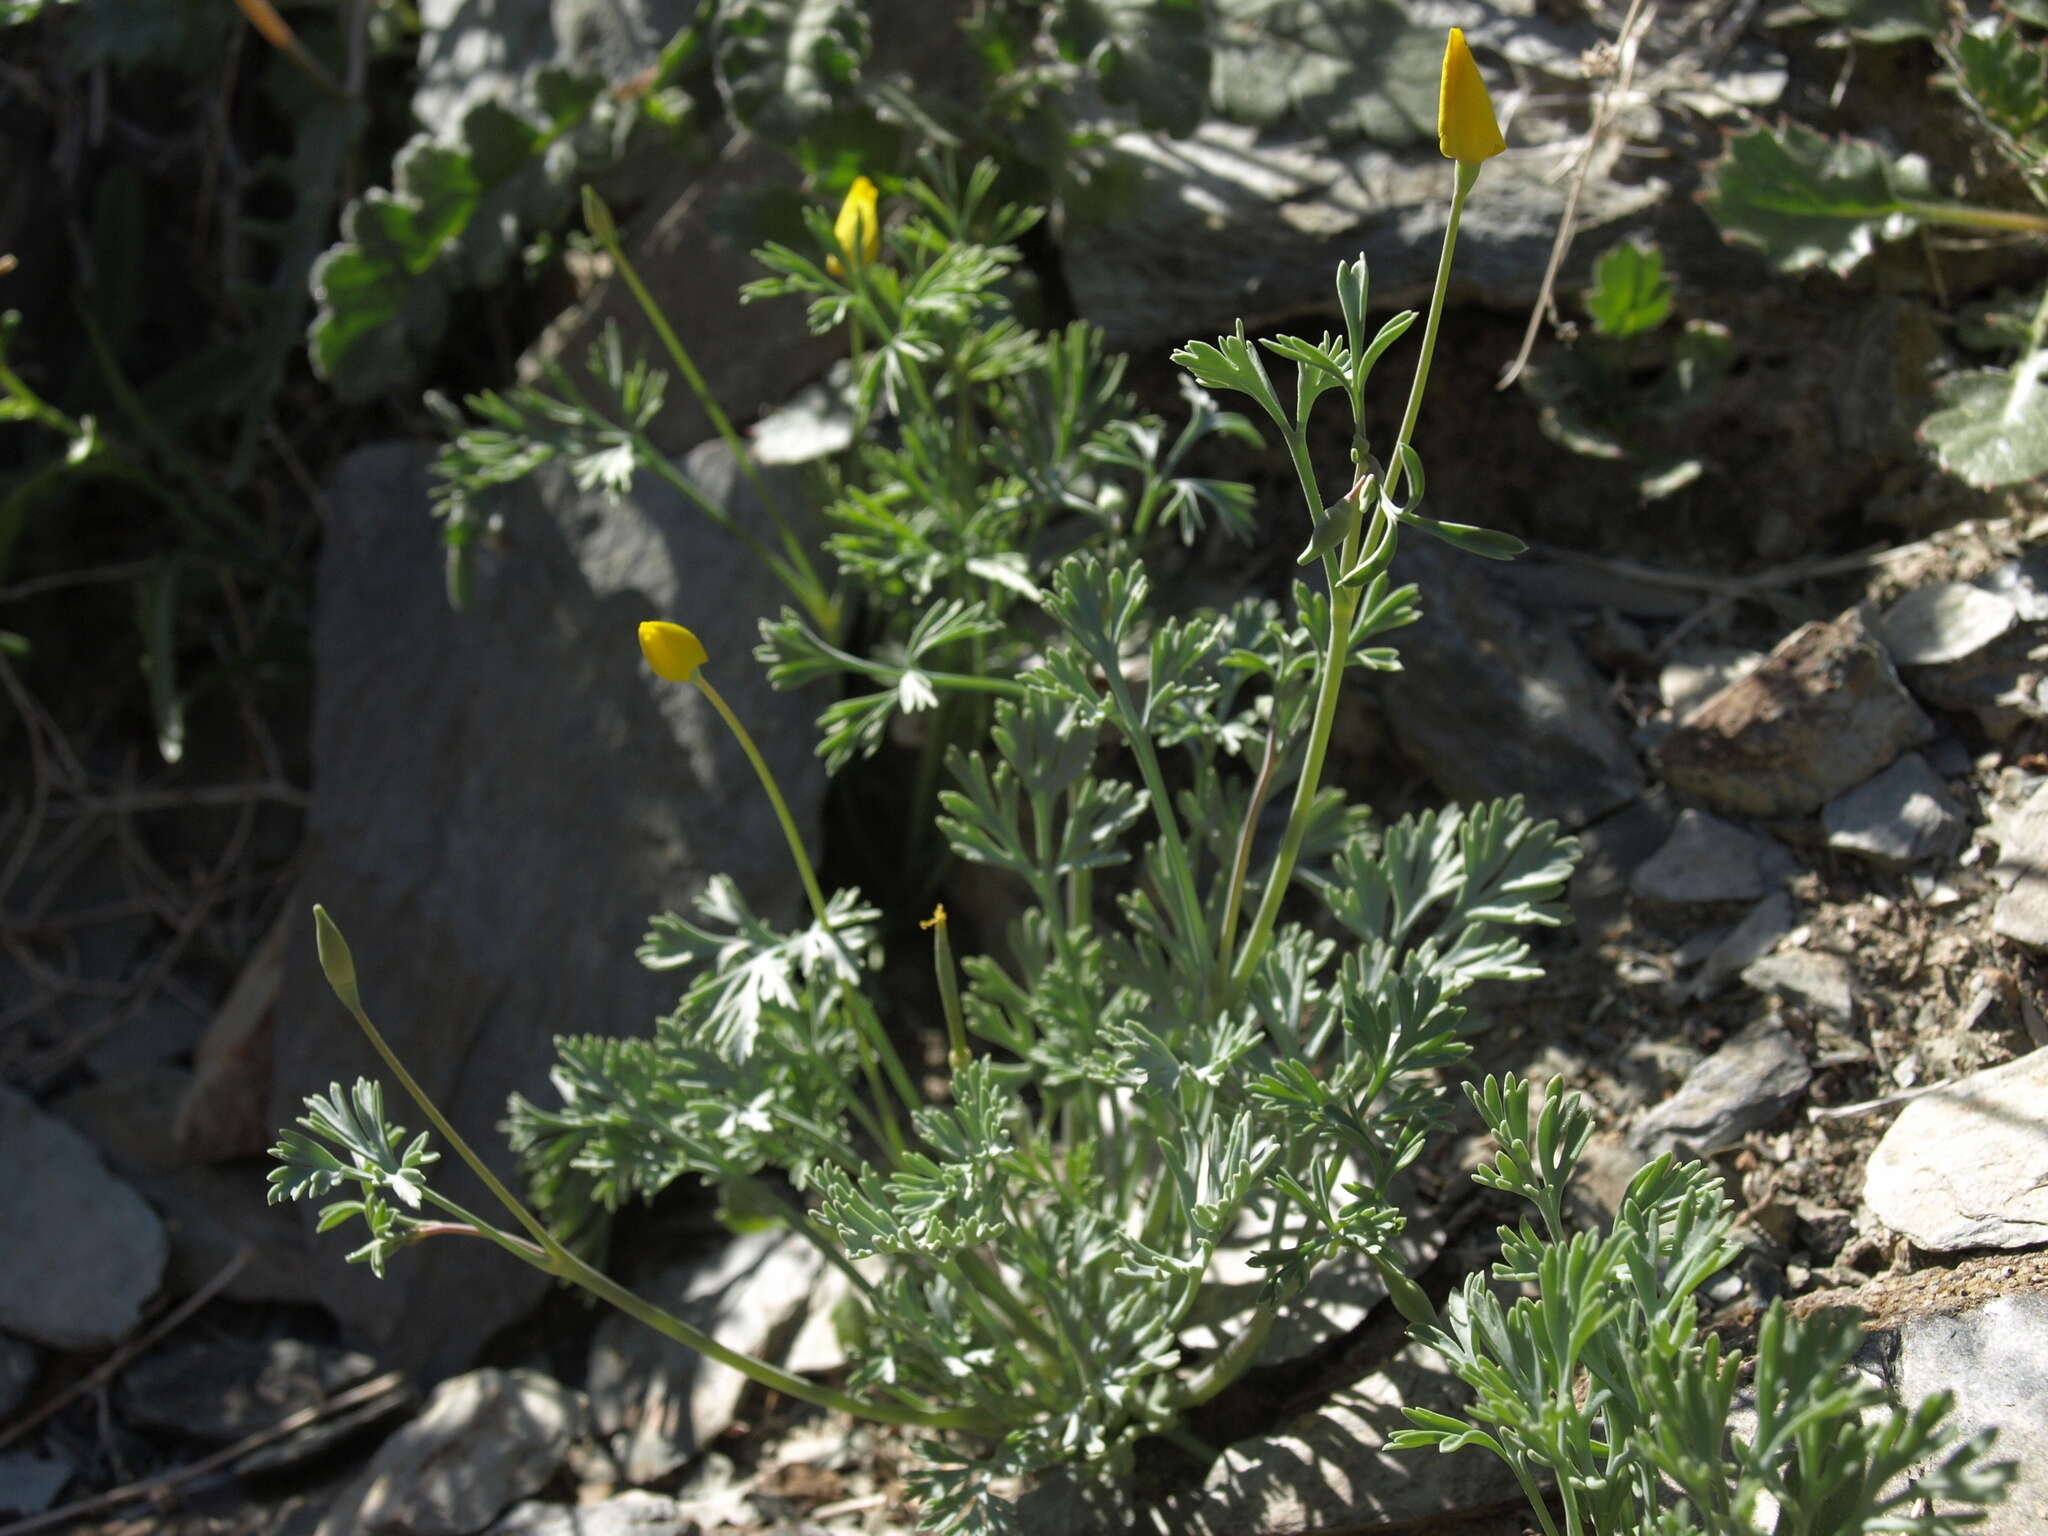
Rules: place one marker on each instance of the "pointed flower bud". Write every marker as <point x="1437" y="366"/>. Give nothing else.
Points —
<point x="1466" y="129"/>
<point x="336" y="960"/>
<point x="671" y="650"/>
<point x="857" y="224"/>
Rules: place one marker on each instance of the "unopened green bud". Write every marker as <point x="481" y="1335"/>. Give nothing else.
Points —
<point x="335" y="958"/>
<point x="597" y="218"/>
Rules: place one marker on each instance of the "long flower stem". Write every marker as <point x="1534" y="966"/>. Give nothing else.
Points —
<point x="805" y="871"/>
<point x="1343" y="611"/>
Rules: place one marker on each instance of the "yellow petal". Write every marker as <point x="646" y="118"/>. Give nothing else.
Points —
<point x="937" y="919"/>
<point x="671" y="650"/>
<point x="1466" y="128"/>
<point x="857" y="223"/>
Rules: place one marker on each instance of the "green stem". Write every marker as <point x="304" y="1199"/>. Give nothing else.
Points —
<point x="1190" y="904"/>
<point x="38" y="407"/>
<point x="608" y="236"/>
<point x="1240" y="865"/>
<point x="1344" y="610"/>
<point x="1972" y="217"/>
<point x="1465" y="174"/>
<point x="804" y="869"/>
<point x="1232" y="1363"/>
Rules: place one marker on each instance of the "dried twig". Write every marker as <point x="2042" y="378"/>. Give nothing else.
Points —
<point x="1627" y="45"/>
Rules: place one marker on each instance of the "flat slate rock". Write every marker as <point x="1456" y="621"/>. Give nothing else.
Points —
<point x="1944" y="622"/>
<point x="80" y="1251"/>
<point x="2022" y="835"/>
<point x="1493" y="701"/>
<point x="1820" y="985"/>
<point x="1903" y="815"/>
<point x="502" y="797"/>
<point x="1742" y="1087"/>
<point x="1707" y="861"/>
<point x="1332" y="1470"/>
<point x="483" y="1442"/>
<point x="31" y="1477"/>
<point x="661" y="1403"/>
<point x="1824" y="712"/>
<point x="221" y="1389"/>
<point x="1746" y="943"/>
<point x="1993" y="1358"/>
<point x="1966" y="1166"/>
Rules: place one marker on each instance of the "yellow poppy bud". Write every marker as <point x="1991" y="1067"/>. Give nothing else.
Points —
<point x="1466" y="128"/>
<point x="857" y="222"/>
<point x="671" y="650"/>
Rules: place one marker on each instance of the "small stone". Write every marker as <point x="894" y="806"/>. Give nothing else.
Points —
<point x="1824" y="712"/>
<point x="483" y="1442"/>
<point x="1744" y="1085"/>
<point x="2022" y="835"/>
<point x="1750" y="940"/>
<point x="1708" y="860"/>
<point x="635" y="1512"/>
<point x="80" y="1252"/>
<point x="19" y="1367"/>
<point x="661" y="1403"/>
<point x="1930" y="626"/>
<point x="1900" y="817"/>
<point x="1819" y="984"/>
<point x="1993" y="1358"/>
<point x="30" y="1480"/>
<point x="1966" y="1166"/>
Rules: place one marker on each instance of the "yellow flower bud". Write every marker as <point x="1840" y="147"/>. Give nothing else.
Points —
<point x="857" y="221"/>
<point x="1466" y="128"/>
<point x="671" y="650"/>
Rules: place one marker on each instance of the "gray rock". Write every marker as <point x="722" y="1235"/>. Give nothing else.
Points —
<point x="2023" y="583"/>
<point x="635" y="1512"/>
<point x="1342" y="160"/>
<point x="1900" y="817"/>
<point x="1708" y="860"/>
<point x="662" y="1403"/>
<point x="80" y="1251"/>
<point x="1490" y="701"/>
<point x="1966" y="1166"/>
<point x="480" y="50"/>
<point x="2022" y="834"/>
<point x="2005" y="684"/>
<point x="1944" y="622"/>
<point x="1694" y="676"/>
<point x="502" y="798"/>
<point x="1610" y="851"/>
<point x="222" y="1388"/>
<point x="1068" y="1501"/>
<point x="1749" y="941"/>
<point x="1820" y="985"/>
<point x="211" y="1212"/>
<point x="1332" y="1469"/>
<point x="1823" y="713"/>
<point x="483" y="1442"/>
<point x="1742" y="1087"/>
<point x="31" y="1479"/>
<point x="1994" y="1359"/>
<point x="19" y="1367"/>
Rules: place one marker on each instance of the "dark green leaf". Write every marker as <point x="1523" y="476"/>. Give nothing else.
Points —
<point x="1630" y="293"/>
<point x="1884" y="21"/>
<point x="2007" y="73"/>
<point x="785" y="66"/>
<point x="1805" y="200"/>
<point x="1992" y="425"/>
<point x="1361" y="68"/>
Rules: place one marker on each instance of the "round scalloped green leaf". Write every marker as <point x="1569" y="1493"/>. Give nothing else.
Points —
<point x="1884" y="21"/>
<point x="784" y="66"/>
<point x="1150" y="55"/>
<point x="1806" y="200"/>
<point x="1992" y="425"/>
